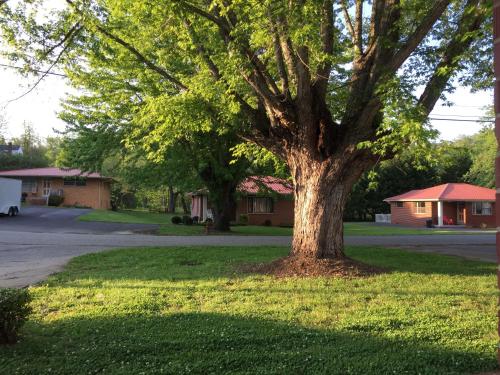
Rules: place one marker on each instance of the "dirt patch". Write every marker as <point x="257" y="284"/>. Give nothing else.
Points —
<point x="306" y="267"/>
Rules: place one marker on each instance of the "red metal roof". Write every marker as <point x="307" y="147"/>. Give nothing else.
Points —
<point x="447" y="192"/>
<point x="259" y="184"/>
<point x="49" y="172"/>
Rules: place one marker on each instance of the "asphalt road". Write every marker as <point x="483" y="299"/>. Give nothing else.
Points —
<point x="31" y="248"/>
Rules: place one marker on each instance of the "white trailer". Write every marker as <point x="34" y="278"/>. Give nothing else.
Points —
<point x="10" y="196"/>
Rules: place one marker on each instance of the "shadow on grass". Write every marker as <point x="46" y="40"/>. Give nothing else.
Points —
<point x="215" y="343"/>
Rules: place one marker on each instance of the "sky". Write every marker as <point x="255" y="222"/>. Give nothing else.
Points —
<point x="40" y="106"/>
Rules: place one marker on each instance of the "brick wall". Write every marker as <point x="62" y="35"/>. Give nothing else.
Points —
<point x="449" y="211"/>
<point x="282" y="215"/>
<point x="407" y="214"/>
<point x="96" y="193"/>
<point x="477" y="221"/>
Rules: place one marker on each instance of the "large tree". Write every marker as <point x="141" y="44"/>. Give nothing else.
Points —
<point x="329" y="86"/>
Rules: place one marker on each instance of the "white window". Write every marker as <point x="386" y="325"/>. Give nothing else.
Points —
<point x="481" y="208"/>
<point x="399" y="204"/>
<point x="260" y="205"/>
<point x="420" y="207"/>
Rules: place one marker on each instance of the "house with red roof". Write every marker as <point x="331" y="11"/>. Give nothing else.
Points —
<point x="77" y="188"/>
<point x="446" y="204"/>
<point x="261" y="200"/>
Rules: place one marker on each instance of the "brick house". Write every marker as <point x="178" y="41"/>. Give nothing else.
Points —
<point x="447" y="204"/>
<point x="77" y="188"/>
<point x="263" y="200"/>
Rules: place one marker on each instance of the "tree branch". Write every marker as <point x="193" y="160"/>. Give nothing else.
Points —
<point x="140" y="57"/>
<point x="42" y="77"/>
<point x="419" y="34"/>
<point x="143" y="59"/>
<point x="326" y="30"/>
<point x="212" y="67"/>
<point x="280" y="60"/>
<point x="348" y="22"/>
<point x="470" y="22"/>
<point x="358" y="32"/>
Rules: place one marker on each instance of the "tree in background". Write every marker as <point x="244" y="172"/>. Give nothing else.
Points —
<point x="327" y="87"/>
<point x="483" y="149"/>
<point x="34" y="151"/>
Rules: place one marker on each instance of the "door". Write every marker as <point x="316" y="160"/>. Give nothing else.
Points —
<point x="46" y="187"/>
<point x="460" y="213"/>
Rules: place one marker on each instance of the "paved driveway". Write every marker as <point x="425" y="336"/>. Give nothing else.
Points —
<point x="39" y="219"/>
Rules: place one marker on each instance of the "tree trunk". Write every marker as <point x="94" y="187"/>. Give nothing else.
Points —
<point x="224" y="206"/>
<point x="322" y="189"/>
<point x="171" y="200"/>
<point x="185" y="208"/>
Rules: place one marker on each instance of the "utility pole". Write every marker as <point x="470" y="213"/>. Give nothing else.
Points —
<point x="496" y="59"/>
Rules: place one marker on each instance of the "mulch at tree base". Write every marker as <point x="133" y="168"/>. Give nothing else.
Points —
<point x="307" y="267"/>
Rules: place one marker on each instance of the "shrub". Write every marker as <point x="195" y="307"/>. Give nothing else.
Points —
<point x="187" y="220"/>
<point x="268" y="223"/>
<point x="196" y="219"/>
<point x="176" y="220"/>
<point x="243" y="219"/>
<point x="14" y="309"/>
<point x="55" y="200"/>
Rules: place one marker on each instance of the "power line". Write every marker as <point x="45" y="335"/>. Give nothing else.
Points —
<point x="463" y="106"/>
<point x="460" y="116"/>
<point x="458" y="120"/>
<point x="33" y="70"/>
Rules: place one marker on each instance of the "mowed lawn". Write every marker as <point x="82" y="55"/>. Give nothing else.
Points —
<point x="167" y="228"/>
<point x="188" y="310"/>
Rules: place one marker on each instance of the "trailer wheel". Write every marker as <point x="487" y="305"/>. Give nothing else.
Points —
<point x="11" y="212"/>
<point x="16" y="211"/>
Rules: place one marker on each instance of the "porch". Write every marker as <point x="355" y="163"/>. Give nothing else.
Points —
<point x="449" y="214"/>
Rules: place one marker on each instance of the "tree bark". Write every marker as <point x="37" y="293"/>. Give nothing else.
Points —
<point x="224" y="207"/>
<point x="185" y="208"/>
<point x="322" y="189"/>
<point x="171" y="200"/>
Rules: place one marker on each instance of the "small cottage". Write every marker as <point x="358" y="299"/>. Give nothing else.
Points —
<point x="76" y="188"/>
<point x="453" y="204"/>
<point x="262" y="200"/>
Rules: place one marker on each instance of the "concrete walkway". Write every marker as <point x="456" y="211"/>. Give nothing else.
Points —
<point x="26" y="258"/>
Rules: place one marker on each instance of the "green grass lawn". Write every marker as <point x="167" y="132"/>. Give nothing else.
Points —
<point x="167" y="228"/>
<point x="186" y="310"/>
